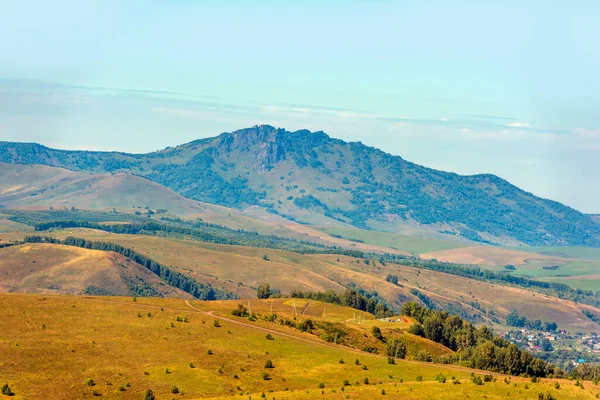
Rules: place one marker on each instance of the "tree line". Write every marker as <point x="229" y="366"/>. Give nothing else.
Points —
<point x="513" y="319"/>
<point x="172" y="277"/>
<point x="353" y="298"/>
<point x="476" y="347"/>
<point x="205" y="232"/>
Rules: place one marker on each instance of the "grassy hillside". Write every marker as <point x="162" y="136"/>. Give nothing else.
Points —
<point x="48" y="268"/>
<point x="36" y="186"/>
<point x="312" y="177"/>
<point x="242" y="269"/>
<point x="83" y="347"/>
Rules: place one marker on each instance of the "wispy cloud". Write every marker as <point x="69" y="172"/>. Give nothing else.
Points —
<point x="519" y="125"/>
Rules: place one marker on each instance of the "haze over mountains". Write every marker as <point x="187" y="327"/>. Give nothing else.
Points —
<point x="311" y="177"/>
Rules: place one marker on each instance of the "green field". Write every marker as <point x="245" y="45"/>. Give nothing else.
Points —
<point x="586" y="253"/>
<point x="570" y="268"/>
<point x="587" y="282"/>
<point x="411" y="244"/>
<point x="579" y="274"/>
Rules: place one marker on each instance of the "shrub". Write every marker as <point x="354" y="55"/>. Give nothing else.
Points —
<point x="395" y="348"/>
<point x="341" y="361"/>
<point x="167" y="371"/>
<point x="419" y="378"/>
<point x="241" y="311"/>
<point x="216" y="323"/>
<point x="377" y="333"/>
<point x="383" y="392"/>
<point x="346" y="382"/>
<point x="96" y="393"/>
<point x="209" y="352"/>
<point x="269" y="364"/>
<point x="174" y="390"/>
<point x="122" y="388"/>
<point x="477" y="380"/>
<point x="321" y="385"/>
<point x="391" y="360"/>
<point x="357" y="362"/>
<point x="149" y="395"/>
<point x="556" y="385"/>
<point x="263" y="291"/>
<point x="269" y="337"/>
<point x="366" y="381"/>
<point x="192" y="365"/>
<point x="423" y="355"/>
<point x="6" y="390"/>
<point x="89" y="382"/>
<point x="488" y="378"/>
<point x="265" y="376"/>
<point x="440" y="378"/>
<point x="306" y="326"/>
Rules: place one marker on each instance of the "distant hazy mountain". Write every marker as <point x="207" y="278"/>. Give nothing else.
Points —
<point x="312" y="177"/>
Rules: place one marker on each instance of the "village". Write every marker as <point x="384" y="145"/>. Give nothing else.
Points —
<point x="560" y="347"/>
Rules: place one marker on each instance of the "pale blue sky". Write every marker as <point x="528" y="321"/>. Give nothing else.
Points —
<point x="505" y="87"/>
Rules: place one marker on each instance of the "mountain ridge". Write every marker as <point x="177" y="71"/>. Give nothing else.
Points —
<point x="311" y="177"/>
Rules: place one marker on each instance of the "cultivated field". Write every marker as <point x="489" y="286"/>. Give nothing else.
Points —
<point x="411" y="244"/>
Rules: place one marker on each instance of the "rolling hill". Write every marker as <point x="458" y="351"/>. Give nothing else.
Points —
<point x="36" y="186"/>
<point x="65" y="347"/>
<point x="314" y="178"/>
<point x="51" y="268"/>
<point x="241" y="269"/>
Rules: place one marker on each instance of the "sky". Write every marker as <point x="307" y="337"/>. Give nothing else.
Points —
<point x="504" y="87"/>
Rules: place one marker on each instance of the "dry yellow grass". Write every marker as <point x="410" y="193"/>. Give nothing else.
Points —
<point x="52" y="268"/>
<point x="51" y="345"/>
<point x="225" y="266"/>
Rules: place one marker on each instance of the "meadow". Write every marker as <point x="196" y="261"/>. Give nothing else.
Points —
<point x="64" y="347"/>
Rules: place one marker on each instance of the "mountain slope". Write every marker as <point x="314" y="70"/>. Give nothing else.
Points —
<point x="312" y="177"/>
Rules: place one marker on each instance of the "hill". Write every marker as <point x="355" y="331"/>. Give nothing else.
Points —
<point x="50" y="268"/>
<point x="36" y="186"/>
<point x="241" y="269"/>
<point x="84" y="347"/>
<point x="317" y="179"/>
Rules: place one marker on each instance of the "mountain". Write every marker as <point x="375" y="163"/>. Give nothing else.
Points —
<point x="311" y="177"/>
